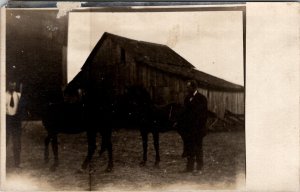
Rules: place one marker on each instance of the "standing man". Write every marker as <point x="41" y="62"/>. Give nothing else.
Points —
<point x="192" y="123"/>
<point x="13" y="120"/>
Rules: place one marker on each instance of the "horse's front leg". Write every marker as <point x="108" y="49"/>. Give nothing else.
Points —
<point x="183" y="137"/>
<point x="144" y="134"/>
<point x="156" y="146"/>
<point x="91" y="138"/>
<point x="54" y="144"/>
<point x="46" y="150"/>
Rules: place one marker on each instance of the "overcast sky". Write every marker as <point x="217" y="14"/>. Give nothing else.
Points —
<point x="211" y="41"/>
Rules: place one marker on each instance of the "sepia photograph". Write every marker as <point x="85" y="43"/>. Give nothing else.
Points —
<point x="125" y="98"/>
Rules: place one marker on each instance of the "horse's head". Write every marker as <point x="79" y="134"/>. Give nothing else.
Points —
<point x="166" y="116"/>
<point x="135" y="105"/>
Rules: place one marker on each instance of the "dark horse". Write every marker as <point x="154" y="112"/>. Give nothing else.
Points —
<point x="90" y="112"/>
<point x="98" y="110"/>
<point x="61" y="117"/>
<point x="139" y="110"/>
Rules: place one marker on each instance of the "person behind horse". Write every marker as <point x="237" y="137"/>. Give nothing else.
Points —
<point x="13" y="121"/>
<point x="192" y="123"/>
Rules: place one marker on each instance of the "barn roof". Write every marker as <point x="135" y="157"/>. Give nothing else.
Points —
<point x="165" y="59"/>
<point x="144" y="50"/>
<point x="204" y="80"/>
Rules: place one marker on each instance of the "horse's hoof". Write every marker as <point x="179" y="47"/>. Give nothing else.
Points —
<point x="52" y="168"/>
<point x="91" y="171"/>
<point x="143" y="163"/>
<point x="101" y="153"/>
<point x="108" y="169"/>
<point x="84" y="166"/>
<point x="80" y="171"/>
<point x="56" y="163"/>
<point x="46" y="161"/>
<point x="156" y="164"/>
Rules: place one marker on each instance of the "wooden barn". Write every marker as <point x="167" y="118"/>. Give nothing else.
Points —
<point x="161" y="71"/>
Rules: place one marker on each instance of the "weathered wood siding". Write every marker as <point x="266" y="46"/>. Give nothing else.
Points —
<point x="163" y="87"/>
<point x="219" y="101"/>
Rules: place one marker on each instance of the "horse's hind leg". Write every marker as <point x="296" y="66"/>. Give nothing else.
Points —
<point x="145" y="147"/>
<point x="156" y="147"/>
<point x="46" y="150"/>
<point x="106" y="141"/>
<point x="103" y="148"/>
<point x="185" y="148"/>
<point x="110" y="158"/>
<point x="55" y="152"/>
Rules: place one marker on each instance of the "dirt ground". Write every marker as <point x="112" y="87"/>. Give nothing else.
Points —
<point x="224" y="164"/>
